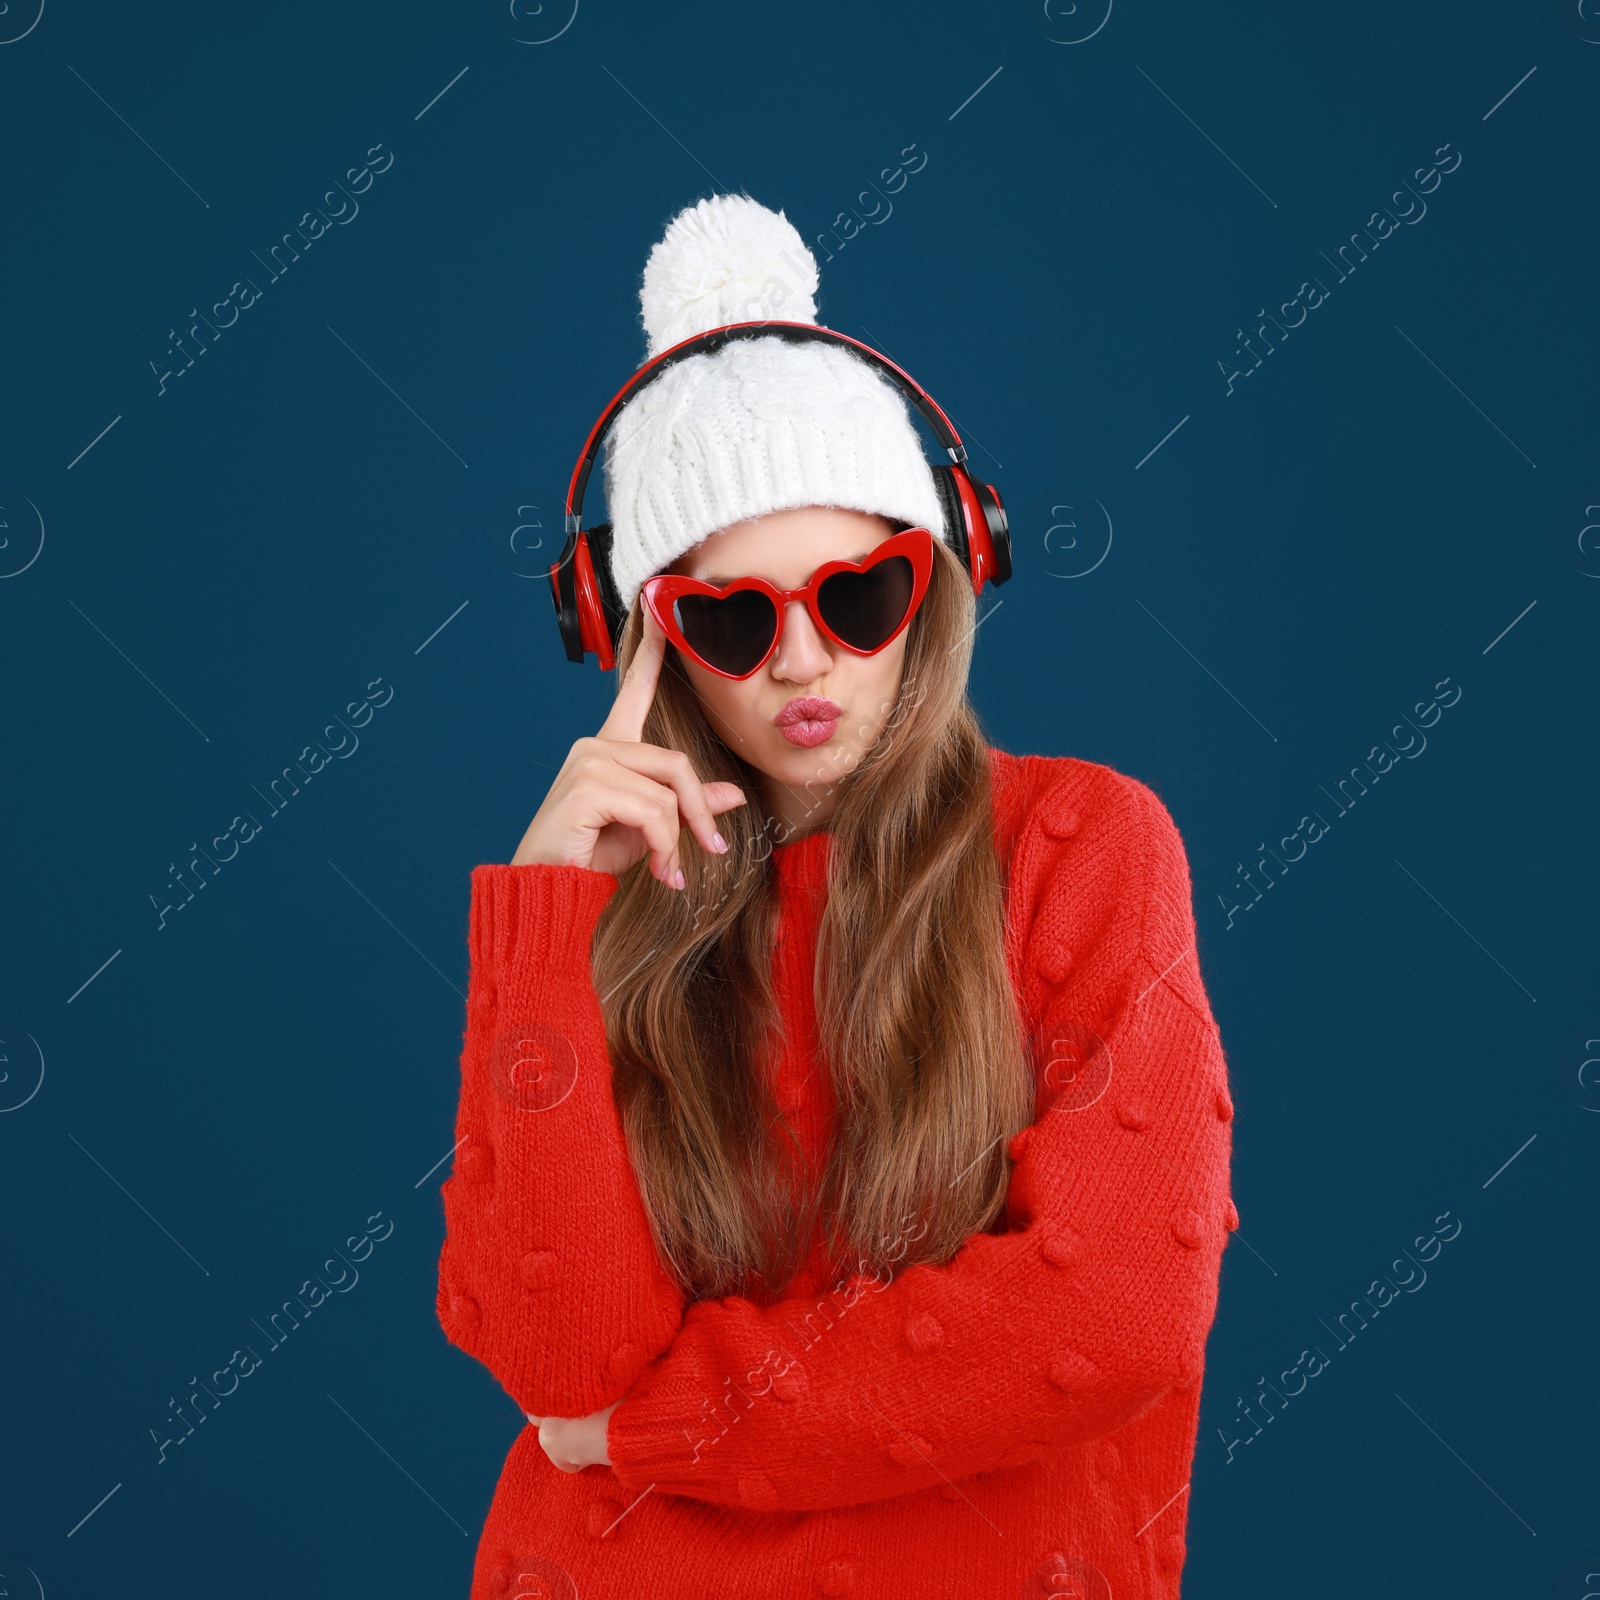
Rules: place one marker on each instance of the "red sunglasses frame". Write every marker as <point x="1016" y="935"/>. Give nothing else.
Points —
<point x="661" y="593"/>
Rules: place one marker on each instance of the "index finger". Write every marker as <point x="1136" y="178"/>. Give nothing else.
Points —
<point x="638" y="690"/>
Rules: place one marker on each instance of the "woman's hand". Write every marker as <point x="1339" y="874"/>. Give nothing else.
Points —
<point x="573" y="1443"/>
<point x="617" y="799"/>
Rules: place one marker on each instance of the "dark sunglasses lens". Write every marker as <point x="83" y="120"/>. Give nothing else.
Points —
<point x="730" y="633"/>
<point x="864" y="608"/>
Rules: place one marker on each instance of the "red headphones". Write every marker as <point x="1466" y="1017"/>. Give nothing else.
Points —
<point x="586" y="601"/>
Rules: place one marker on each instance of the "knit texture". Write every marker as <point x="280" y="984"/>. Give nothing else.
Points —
<point x="725" y="259"/>
<point x="1019" y="1420"/>
<point x="760" y="426"/>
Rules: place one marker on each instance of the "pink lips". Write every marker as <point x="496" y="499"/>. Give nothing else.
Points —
<point x="808" y="720"/>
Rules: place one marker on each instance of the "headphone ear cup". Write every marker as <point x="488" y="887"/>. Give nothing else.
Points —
<point x="955" y="521"/>
<point x="586" y="598"/>
<point x="994" y="512"/>
<point x="564" y="595"/>
<point x="600" y="551"/>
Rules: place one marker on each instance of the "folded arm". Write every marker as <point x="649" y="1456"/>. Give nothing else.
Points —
<point x="548" y="1273"/>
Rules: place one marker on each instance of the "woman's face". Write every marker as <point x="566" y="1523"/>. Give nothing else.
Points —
<point x="804" y="760"/>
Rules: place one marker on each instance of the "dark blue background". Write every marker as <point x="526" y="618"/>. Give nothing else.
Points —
<point x="1291" y="571"/>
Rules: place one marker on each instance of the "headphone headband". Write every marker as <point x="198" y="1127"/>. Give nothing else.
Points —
<point x="715" y="339"/>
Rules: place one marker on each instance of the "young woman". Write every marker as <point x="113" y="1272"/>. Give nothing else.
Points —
<point x="844" y="1131"/>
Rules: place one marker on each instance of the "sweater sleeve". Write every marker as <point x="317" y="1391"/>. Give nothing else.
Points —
<point x="1094" y="1303"/>
<point x="548" y="1273"/>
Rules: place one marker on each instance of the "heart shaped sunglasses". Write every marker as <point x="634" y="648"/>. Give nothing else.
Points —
<point x="861" y="605"/>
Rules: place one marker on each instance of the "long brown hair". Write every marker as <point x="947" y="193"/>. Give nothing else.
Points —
<point x="916" y="1020"/>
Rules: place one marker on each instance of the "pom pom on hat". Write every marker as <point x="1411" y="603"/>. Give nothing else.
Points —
<point x="760" y="425"/>
<point x="727" y="259"/>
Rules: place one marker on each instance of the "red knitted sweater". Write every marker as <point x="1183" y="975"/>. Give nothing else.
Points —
<point x="1020" y="1420"/>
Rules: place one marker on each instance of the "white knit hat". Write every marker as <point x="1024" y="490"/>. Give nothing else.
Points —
<point x="761" y="425"/>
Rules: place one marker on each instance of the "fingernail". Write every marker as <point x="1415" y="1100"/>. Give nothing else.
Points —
<point x="718" y="843"/>
<point x="677" y="878"/>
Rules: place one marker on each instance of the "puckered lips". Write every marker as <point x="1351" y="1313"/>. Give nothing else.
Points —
<point x="808" y="720"/>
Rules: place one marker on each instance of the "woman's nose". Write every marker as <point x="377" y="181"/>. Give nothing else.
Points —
<point x="802" y="654"/>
